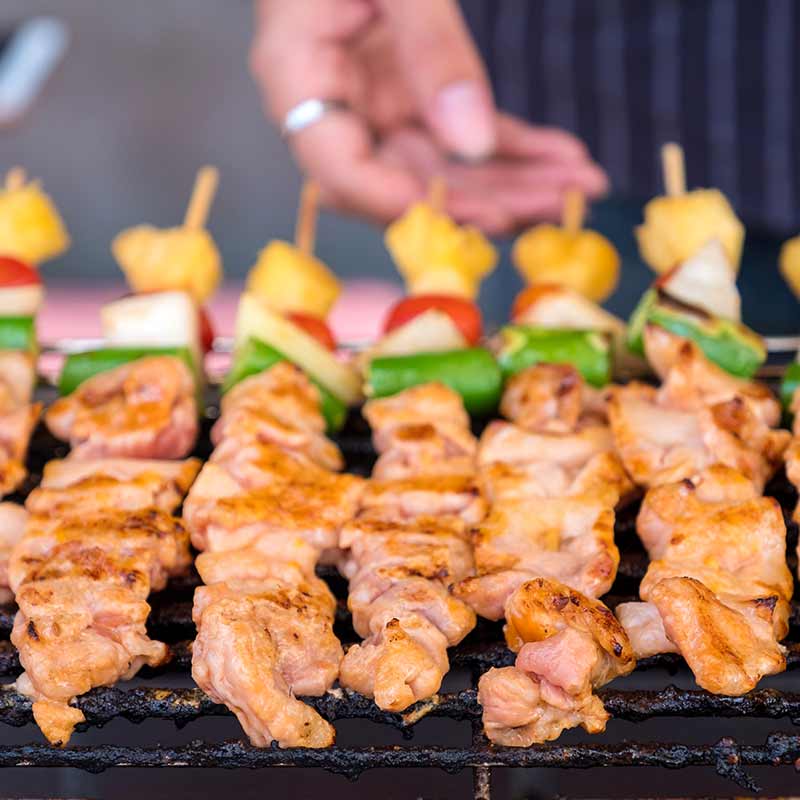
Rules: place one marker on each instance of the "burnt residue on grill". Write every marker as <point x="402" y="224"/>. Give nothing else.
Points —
<point x="171" y="621"/>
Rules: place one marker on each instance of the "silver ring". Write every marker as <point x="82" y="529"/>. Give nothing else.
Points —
<point x="308" y="112"/>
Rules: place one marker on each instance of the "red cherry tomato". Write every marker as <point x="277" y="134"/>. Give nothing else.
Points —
<point x="314" y="326"/>
<point x="464" y="313"/>
<point x="17" y="273"/>
<point x="206" y="329"/>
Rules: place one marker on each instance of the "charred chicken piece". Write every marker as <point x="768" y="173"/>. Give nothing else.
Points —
<point x="567" y="645"/>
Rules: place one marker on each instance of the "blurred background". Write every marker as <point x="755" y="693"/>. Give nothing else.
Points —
<point x="148" y="91"/>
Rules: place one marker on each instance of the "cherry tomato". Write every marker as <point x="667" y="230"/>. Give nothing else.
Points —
<point x="464" y="313"/>
<point x="314" y="326"/>
<point x="17" y="273"/>
<point x="527" y="297"/>
<point x="206" y="329"/>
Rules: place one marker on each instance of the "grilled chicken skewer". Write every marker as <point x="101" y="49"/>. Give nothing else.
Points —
<point x="718" y="589"/>
<point x="407" y="545"/>
<point x="263" y="511"/>
<point x="562" y="465"/>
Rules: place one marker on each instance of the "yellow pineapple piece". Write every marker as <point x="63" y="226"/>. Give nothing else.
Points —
<point x="677" y="226"/>
<point x="431" y="250"/>
<point x="31" y="228"/>
<point x="287" y="279"/>
<point x="789" y="264"/>
<point x="582" y="260"/>
<point x="169" y="259"/>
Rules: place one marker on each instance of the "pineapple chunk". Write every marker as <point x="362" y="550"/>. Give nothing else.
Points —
<point x="257" y="320"/>
<point x="424" y="242"/>
<point x="30" y="226"/>
<point x="171" y="259"/>
<point x="789" y="263"/>
<point x="677" y="226"/>
<point x="584" y="260"/>
<point x="288" y="279"/>
<point x="161" y="319"/>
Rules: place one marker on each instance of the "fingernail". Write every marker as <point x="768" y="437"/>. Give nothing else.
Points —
<point x="464" y="118"/>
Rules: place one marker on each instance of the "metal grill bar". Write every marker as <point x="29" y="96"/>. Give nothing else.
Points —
<point x="727" y="756"/>
<point x="182" y="706"/>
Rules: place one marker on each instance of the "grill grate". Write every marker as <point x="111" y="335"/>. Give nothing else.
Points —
<point x="170" y="621"/>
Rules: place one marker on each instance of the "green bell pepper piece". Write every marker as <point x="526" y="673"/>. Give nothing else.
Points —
<point x="79" y="367"/>
<point x="790" y="384"/>
<point x="638" y="321"/>
<point x="18" y="333"/>
<point x="523" y="346"/>
<point x="473" y="373"/>
<point x="255" y="356"/>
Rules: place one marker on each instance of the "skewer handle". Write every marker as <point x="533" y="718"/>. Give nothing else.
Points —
<point x="437" y="194"/>
<point x="15" y="178"/>
<point x="305" y="232"/>
<point x="574" y="211"/>
<point x="672" y="163"/>
<point x="205" y="187"/>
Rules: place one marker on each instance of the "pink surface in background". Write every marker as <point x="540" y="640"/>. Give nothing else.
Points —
<point x="74" y="312"/>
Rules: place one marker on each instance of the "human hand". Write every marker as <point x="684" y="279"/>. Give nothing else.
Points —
<point x="420" y="106"/>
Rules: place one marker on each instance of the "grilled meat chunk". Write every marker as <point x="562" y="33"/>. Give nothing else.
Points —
<point x="567" y="645"/>
<point x="72" y="486"/>
<point x="145" y="409"/>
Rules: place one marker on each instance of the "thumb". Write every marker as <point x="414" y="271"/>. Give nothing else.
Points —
<point x="444" y="72"/>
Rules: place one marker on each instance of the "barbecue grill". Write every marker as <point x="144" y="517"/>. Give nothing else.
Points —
<point x="170" y="621"/>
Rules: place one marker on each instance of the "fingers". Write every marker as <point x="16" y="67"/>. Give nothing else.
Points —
<point x="445" y="73"/>
<point x="301" y="51"/>
<point x="338" y="151"/>
<point x="519" y="139"/>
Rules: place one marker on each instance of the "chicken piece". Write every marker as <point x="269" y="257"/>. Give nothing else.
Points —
<point x="399" y="572"/>
<point x="256" y="464"/>
<point x="147" y="544"/>
<point x="725" y="650"/>
<point x="433" y="403"/>
<point x="279" y="406"/>
<point x="81" y="587"/>
<point x="735" y="549"/>
<point x="515" y="464"/>
<point x="645" y="629"/>
<point x="665" y="508"/>
<point x="73" y="486"/>
<point x="144" y="409"/>
<point x="567" y="645"/>
<point x="13" y="518"/>
<point x="299" y="619"/>
<point x="426" y="495"/>
<point x="17" y="379"/>
<point x="551" y="398"/>
<point x="223" y="516"/>
<point x="691" y="381"/>
<point x="235" y="661"/>
<point x="569" y="539"/>
<point x="422" y="449"/>
<point x="659" y="443"/>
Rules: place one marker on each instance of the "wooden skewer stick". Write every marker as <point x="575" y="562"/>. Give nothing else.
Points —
<point x="15" y="178"/>
<point x="205" y="187"/>
<point x="674" y="169"/>
<point x="437" y="194"/>
<point x="305" y="231"/>
<point x="574" y="211"/>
